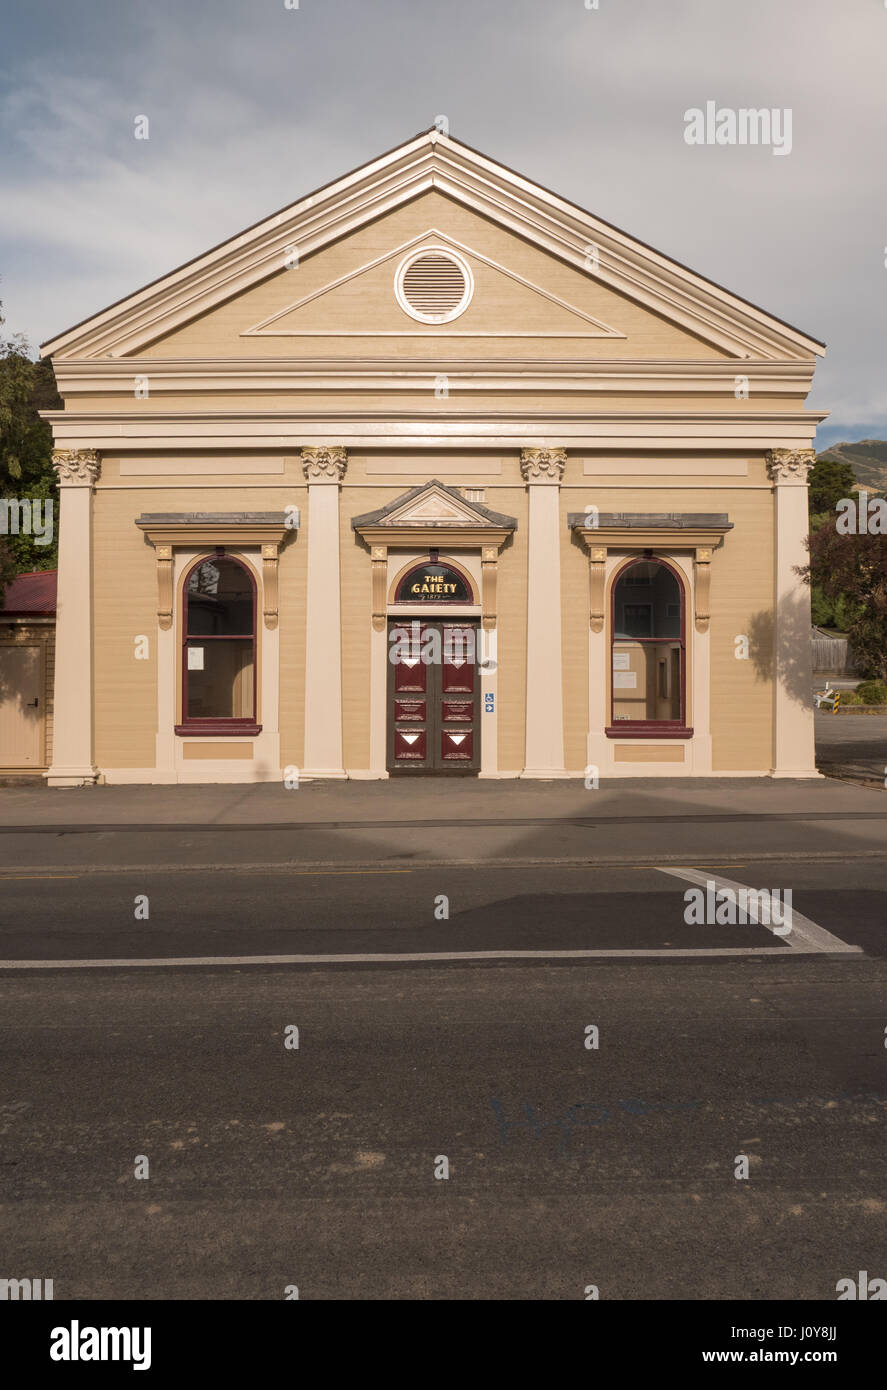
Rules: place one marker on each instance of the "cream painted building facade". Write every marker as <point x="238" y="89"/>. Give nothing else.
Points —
<point x="432" y="472"/>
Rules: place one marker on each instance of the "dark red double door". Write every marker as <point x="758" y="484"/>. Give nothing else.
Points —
<point x="433" y="698"/>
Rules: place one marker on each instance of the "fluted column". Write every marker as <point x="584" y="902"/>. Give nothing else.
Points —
<point x="73" y="745"/>
<point x="793" y="742"/>
<point x="542" y="470"/>
<point x="324" y="469"/>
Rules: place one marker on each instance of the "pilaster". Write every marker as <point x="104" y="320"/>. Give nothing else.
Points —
<point x="324" y="469"/>
<point x="793" y="739"/>
<point x="73" y="756"/>
<point x="542" y="470"/>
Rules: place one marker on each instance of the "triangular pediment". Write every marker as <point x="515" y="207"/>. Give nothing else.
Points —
<point x="433" y="504"/>
<point x="325" y="311"/>
<point x="433" y="508"/>
<point x="431" y="162"/>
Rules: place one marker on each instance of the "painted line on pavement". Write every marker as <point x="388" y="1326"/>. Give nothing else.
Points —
<point x="806" y="937"/>
<point x="396" y="957"/>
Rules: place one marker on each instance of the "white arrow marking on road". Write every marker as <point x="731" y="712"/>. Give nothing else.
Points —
<point x="804" y="936"/>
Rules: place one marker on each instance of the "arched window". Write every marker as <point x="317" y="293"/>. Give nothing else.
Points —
<point x="219" y="648"/>
<point x="434" y="581"/>
<point x="648" y="650"/>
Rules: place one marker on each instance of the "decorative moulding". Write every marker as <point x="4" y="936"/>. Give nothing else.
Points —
<point x="430" y="516"/>
<point x="420" y="537"/>
<point x="118" y="431"/>
<point x="195" y="530"/>
<point x="660" y="533"/>
<point x="218" y="528"/>
<point x="201" y="467"/>
<point x="76" y="467"/>
<point x="405" y="253"/>
<point x="790" y="465"/>
<point x="324" y="464"/>
<point x="264" y="376"/>
<point x="543" y="465"/>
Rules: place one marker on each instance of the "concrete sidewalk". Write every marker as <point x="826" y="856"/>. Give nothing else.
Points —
<point x="455" y="803"/>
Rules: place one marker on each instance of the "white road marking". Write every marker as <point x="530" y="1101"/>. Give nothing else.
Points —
<point x="394" y="958"/>
<point x="805" y="937"/>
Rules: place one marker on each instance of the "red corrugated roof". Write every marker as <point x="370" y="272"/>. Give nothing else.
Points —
<point x="31" y="593"/>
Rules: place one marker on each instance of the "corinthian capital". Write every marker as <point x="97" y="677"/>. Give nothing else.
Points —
<point x="324" y="465"/>
<point x="542" y="465"/>
<point x="77" y="466"/>
<point x="790" y="465"/>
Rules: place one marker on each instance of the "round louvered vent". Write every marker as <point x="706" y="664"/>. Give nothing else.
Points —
<point x="433" y="285"/>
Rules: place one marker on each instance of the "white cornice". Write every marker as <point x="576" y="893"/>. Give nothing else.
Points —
<point x="620" y="262"/>
<point x="711" y="431"/>
<point x="245" y="376"/>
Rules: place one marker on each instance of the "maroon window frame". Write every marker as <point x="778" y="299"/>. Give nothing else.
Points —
<point x="205" y="727"/>
<point x="649" y="728"/>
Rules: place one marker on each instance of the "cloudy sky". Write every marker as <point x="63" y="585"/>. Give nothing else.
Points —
<point x="252" y="104"/>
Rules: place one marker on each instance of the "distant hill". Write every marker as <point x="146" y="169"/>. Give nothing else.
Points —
<point x="867" y="458"/>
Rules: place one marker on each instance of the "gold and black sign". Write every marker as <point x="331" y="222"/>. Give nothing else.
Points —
<point x="433" y="583"/>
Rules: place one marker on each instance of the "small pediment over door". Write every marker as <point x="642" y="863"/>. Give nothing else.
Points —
<point x="433" y="506"/>
<point x="434" y="515"/>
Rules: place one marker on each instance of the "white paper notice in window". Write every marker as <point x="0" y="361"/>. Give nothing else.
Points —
<point x="621" y="661"/>
<point x="195" y="658"/>
<point x="625" y="680"/>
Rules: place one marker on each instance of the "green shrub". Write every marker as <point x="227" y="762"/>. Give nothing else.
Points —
<point x="871" y="693"/>
<point x="850" y="697"/>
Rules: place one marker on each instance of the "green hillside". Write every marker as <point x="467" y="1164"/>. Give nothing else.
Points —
<point x="867" y="458"/>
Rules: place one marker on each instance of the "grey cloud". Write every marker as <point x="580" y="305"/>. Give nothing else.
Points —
<point x="252" y="105"/>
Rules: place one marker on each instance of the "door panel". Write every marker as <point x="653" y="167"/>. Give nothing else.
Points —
<point x="409" y="709"/>
<point x="458" y="711"/>
<point x="410" y="746"/>
<point x="21" y="706"/>
<point x="410" y="674"/>
<point x="433" y="705"/>
<point x="456" y="747"/>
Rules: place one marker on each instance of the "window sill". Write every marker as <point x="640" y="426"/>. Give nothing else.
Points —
<point x="637" y="729"/>
<point x="218" y="728"/>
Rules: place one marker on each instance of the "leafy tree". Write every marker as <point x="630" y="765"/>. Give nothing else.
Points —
<point x="7" y="565"/>
<point x="837" y="613"/>
<point x="829" y="481"/>
<point x="26" y="387"/>
<point x="853" y="568"/>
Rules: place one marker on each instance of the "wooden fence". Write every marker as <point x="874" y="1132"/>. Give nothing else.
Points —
<point x="833" y="654"/>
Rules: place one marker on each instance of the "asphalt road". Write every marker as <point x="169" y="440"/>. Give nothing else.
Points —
<point x="271" y="1166"/>
<point x="98" y="914"/>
